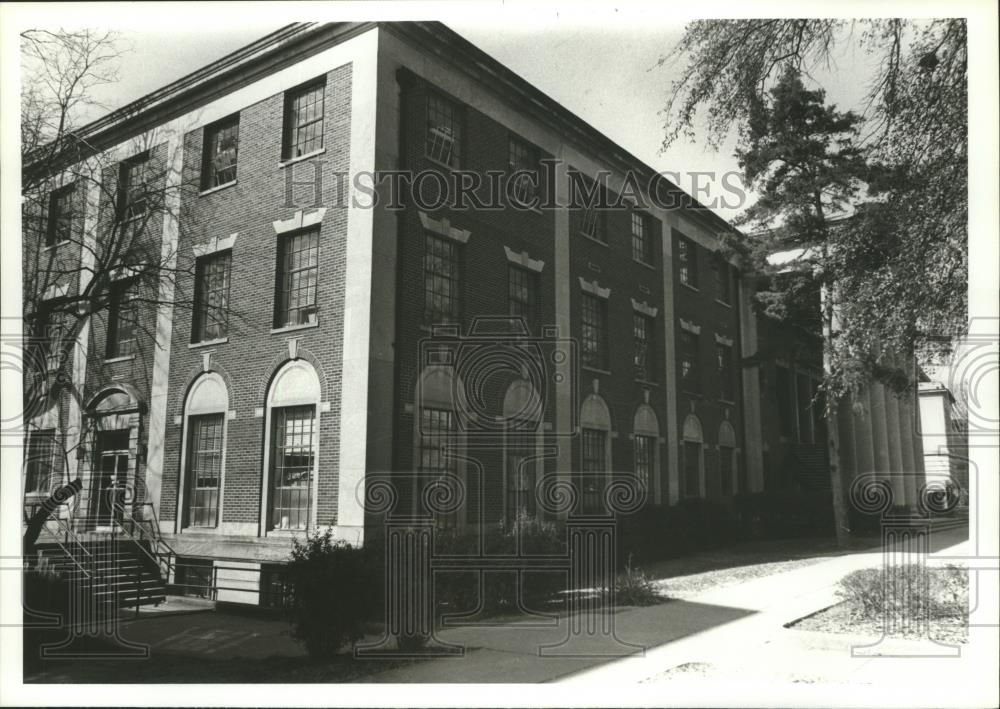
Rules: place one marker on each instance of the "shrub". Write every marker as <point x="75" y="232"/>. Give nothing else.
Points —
<point x="333" y="593"/>
<point x="913" y="594"/>
<point x="634" y="587"/>
<point x="526" y="536"/>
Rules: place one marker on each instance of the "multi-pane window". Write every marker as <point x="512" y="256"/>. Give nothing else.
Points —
<point x="785" y="391"/>
<point x="687" y="258"/>
<point x="593" y="218"/>
<point x="593" y="332"/>
<point x="60" y="222"/>
<point x="134" y="180"/>
<point x="724" y="363"/>
<point x="303" y="127"/>
<point x="641" y="245"/>
<point x="299" y="263"/>
<point x="442" y="283"/>
<point x="692" y="468"/>
<point x="521" y="294"/>
<point x="720" y="274"/>
<point x="38" y="462"/>
<point x="690" y="373"/>
<point x="804" y="394"/>
<point x="211" y="297"/>
<point x="519" y="450"/>
<point x="522" y="159"/>
<point x="123" y="319"/>
<point x="444" y="131"/>
<point x="595" y="465"/>
<point x="434" y="462"/>
<point x="292" y="465"/>
<point x="222" y="141"/>
<point x="642" y="347"/>
<point x="644" y="448"/>
<point x="726" y="478"/>
<point x="204" y="470"/>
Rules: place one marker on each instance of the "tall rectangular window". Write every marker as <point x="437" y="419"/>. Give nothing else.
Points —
<point x="522" y="161"/>
<point x="727" y="381"/>
<point x="303" y="124"/>
<point x="444" y="131"/>
<point x="39" y="462"/>
<point x="593" y="224"/>
<point x="211" y="297"/>
<point x="442" y="283"/>
<point x="134" y="183"/>
<point x="804" y="394"/>
<point x="299" y="264"/>
<point x="720" y="274"/>
<point x="521" y="294"/>
<point x="595" y="467"/>
<point x="641" y="244"/>
<point x="785" y="391"/>
<point x="519" y="449"/>
<point x="726" y="481"/>
<point x="690" y="371"/>
<point x="60" y="222"/>
<point x="222" y="141"/>
<point x="292" y="464"/>
<point x="644" y="450"/>
<point x="594" y="332"/>
<point x="204" y="470"/>
<point x="434" y="462"/>
<point x="123" y="319"/>
<point x="642" y="347"/>
<point x="687" y="259"/>
<point x="692" y="468"/>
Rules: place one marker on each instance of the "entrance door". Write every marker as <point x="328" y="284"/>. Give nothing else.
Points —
<point x="112" y="476"/>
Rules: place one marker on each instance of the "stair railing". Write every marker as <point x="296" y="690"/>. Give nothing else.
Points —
<point x="71" y="541"/>
<point x="159" y="552"/>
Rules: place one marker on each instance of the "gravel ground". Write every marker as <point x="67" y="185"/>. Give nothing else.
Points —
<point x="838" y="619"/>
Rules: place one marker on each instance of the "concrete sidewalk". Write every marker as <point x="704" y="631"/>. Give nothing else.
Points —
<point x="720" y="627"/>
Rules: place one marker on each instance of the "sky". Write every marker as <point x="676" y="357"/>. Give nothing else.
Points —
<point x="601" y="66"/>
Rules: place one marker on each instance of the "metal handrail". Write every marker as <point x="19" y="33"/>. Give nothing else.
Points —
<point x="69" y="534"/>
<point x="163" y="559"/>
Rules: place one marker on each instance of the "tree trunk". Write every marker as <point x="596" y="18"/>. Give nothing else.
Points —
<point x="841" y="518"/>
<point x="37" y="520"/>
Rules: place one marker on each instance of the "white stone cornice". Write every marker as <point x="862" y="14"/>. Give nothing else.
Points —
<point x="214" y="245"/>
<point x="690" y="327"/>
<point x="300" y="220"/>
<point x="723" y="340"/>
<point x="593" y="288"/>
<point x="644" y="308"/>
<point x="444" y="228"/>
<point x="522" y="259"/>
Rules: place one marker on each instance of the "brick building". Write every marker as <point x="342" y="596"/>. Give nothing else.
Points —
<point x="456" y="351"/>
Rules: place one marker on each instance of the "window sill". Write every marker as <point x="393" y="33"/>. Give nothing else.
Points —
<point x="438" y="163"/>
<point x="692" y="394"/>
<point x="722" y="302"/>
<point x="588" y="237"/>
<point x="123" y="358"/>
<point x="689" y="286"/>
<point x="650" y="266"/>
<point x="300" y="158"/>
<point x="218" y="188"/>
<point x="206" y="343"/>
<point x="728" y="402"/>
<point x="293" y="328"/>
<point x="596" y="370"/>
<point x="53" y="247"/>
<point x="646" y="382"/>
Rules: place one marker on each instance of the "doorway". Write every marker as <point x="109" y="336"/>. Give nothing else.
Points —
<point x="112" y="466"/>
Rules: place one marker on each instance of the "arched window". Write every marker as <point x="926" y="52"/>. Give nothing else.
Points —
<point x="694" y="462"/>
<point x="646" y="436"/>
<point x="204" y="460"/>
<point x="727" y="459"/>
<point x="292" y="447"/>
<point x="522" y="413"/>
<point x="595" y="442"/>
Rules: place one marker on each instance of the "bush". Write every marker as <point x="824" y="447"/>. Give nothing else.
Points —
<point x="634" y="587"/>
<point x="333" y="593"/>
<point x="915" y="593"/>
<point x="461" y="591"/>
